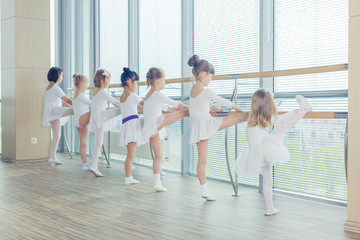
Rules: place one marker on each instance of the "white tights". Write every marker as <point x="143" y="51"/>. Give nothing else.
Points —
<point x="288" y="120"/>
<point x="285" y="121"/>
<point x="267" y="186"/>
<point x="56" y="129"/>
<point x="99" y="136"/>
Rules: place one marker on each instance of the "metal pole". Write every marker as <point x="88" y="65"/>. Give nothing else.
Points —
<point x="236" y="144"/>
<point x="234" y="184"/>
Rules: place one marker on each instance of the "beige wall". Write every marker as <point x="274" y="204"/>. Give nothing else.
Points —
<point x="25" y="56"/>
<point x="353" y="219"/>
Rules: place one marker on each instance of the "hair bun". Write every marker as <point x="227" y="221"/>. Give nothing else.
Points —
<point x="74" y="75"/>
<point x="125" y="69"/>
<point x="193" y="60"/>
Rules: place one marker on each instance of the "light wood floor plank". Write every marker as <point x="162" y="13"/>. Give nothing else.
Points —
<point x="43" y="201"/>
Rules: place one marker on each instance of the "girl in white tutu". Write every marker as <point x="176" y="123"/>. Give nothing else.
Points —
<point x="55" y="115"/>
<point x="265" y="149"/>
<point x="203" y="125"/>
<point x="131" y="130"/>
<point x="155" y="120"/>
<point x="81" y="105"/>
<point x="100" y="117"/>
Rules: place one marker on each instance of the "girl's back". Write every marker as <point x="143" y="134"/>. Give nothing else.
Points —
<point x="129" y="106"/>
<point x="255" y="135"/>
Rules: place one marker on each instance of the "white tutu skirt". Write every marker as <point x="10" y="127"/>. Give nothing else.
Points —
<point x="131" y="131"/>
<point x="99" y="119"/>
<point x="53" y="112"/>
<point x="203" y="128"/>
<point x="151" y="128"/>
<point x="270" y="151"/>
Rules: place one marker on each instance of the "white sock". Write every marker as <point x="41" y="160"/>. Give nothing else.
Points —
<point x="204" y="188"/>
<point x="128" y="180"/>
<point x="157" y="179"/>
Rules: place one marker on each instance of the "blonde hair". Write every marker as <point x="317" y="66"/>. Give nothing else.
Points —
<point x="79" y="78"/>
<point x="200" y="65"/>
<point x="263" y="108"/>
<point x="100" y="74"/>
<point x="153" y="74"/>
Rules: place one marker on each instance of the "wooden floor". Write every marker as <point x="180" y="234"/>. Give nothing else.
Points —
<point x="43" y="201"/>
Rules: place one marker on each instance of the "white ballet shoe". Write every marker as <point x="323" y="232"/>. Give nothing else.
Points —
<point x="208" y="196"/>
<point x="160" y="188"/>
<point x="131" y="181"/>
<point x="57" y="162"/>
<point x="271" y="212"/>
<point x="303" y="103"/>
<point x="96" y="172"/>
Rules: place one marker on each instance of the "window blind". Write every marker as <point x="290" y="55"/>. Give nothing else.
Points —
<point x="160" y="41"/>
<point x="226" y="33"/>
<point x="308" y="34"/>
<point x="114" y="37"/>
<point x="160" y="46"/>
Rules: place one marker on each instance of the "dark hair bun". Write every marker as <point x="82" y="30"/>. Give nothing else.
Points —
<point x="128" y="74"/>
<point x="193" y="60"/>
<point x="54" y="74"/>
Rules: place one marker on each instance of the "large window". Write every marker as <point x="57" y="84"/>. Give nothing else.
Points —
<point x="114" y="37"/>
<point x="160" y="40"/>
<point x="227" y="35"/>
<point x="160" y="46"/>
<point x="236" y="36"/>
<point x="308" y="34"/>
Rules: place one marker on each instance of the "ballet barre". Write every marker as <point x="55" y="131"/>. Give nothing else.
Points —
<point x="234" y="98"/>
<point x="277" y="73"/>
<point x="315" y="115"/>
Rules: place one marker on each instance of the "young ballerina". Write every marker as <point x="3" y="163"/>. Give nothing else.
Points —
<point x="154" y="120"/>
<point x="81" y="105"/>
<point x="203" y="125"/>
<point x="100" y="117"/>
<point x="131" y="131"/>
<point x="55" y="115"/>
<point x="265" y="149"/>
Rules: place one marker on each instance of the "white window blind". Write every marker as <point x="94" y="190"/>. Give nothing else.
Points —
<point x="226" y="33"/>
<point x="160" y="41"/>
<point x="160" y="46"/>
<point x="308" y="34"/>
<point x="114" y="37"/>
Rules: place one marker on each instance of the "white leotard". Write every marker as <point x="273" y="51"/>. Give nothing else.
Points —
<point x="203" y="125"/>
<point x="99" y="117"/>
<point x="152" y="113"/>
<point x="53" y="108"/>
<point x="81" y="105"/>
<point x="264" y="148"/>
<point x="131" y="130"/>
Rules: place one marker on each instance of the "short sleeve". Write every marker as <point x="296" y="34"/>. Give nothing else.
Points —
<point x="58" y="92"/>
<point x="137" y="98"/>
<point x="84" y="99"/>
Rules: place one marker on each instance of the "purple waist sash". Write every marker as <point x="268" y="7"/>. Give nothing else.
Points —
<point x="129" y="118"/>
